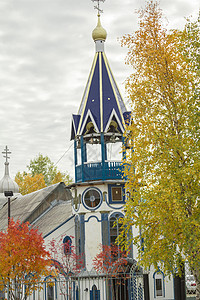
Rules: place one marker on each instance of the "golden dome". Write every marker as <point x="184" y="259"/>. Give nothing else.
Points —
<point x="99" y="33"/>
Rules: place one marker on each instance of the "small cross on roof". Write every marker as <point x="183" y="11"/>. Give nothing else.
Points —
<point x="6" y="152"/>
<point x="97" y="6"/>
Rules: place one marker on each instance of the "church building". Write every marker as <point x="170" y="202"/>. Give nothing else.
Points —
<point x="91" y="207"/>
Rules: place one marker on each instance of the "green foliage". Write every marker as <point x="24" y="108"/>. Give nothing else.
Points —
<point x="163" y="171"/>
<point x="42" y="173"/>
<point x="43" y="165"/>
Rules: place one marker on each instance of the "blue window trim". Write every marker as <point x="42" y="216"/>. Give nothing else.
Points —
<point x="67" y="239"/>
<point x="110" y="186"/>
<point x="163" y="283"/>
<point x="58" y="227"/>
<point x="101" y="198"/>
<point x="111" y="206"/>
<point x="111" y="216"/>
<point x="121" y="215"/>
<point x="90" y="217"/>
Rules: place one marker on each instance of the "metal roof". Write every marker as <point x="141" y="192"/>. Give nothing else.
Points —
<point x="54" y="218"/>
<point x="44" y="208"/>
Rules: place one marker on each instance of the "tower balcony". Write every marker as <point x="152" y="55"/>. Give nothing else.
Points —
<point x="99" y="171"/>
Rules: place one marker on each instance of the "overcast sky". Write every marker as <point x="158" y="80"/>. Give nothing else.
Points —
<point x="46" y="52"/>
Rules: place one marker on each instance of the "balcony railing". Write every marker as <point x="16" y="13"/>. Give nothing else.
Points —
<point x="98" y="171"/>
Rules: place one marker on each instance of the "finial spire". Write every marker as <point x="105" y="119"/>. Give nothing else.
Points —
<point x="6" y="183"/>
<point x="97" y="6"/>
<point x="6" y="152"/>
<point x="99" y="33"/>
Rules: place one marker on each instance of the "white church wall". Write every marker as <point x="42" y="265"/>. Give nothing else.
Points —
<point x="67" y="229"/>
<point x="93" y="238"/>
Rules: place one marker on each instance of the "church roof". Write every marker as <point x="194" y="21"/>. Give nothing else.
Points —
<point x="54" y="218"/>
<point x="46" y="208"/>
<point x="102" y="101"/>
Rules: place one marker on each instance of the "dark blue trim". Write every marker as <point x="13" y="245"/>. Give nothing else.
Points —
<point x="75" y="158"/>
<point x="105" y="229"/>
<point x="76" y="119"/>
<point x="93" y="217"/>
<point x="121" y="215"/>
<point x="110" y="186"/>
<point x="106" y="198"/>
<point x="59" y="267"/>
<point x="123" y="148"/>
<point x="82" y="236"/>
<point x="93" y="100"/>
<point x="142" y="243"/>
<point x="109" y="99"/>
<point x="101" y="198"/>
<point x="82" y="158"/>
<point x="58" y="227"/>
<point x="127" y="117"/>
<point x="103" y="155"/>
<point x="77" y="293"/>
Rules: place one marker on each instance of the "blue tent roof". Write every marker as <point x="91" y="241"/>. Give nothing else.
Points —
<point x="101" y="102"/>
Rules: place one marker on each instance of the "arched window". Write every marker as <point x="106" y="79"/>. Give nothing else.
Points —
<point x="115" y="227"/>
<point x="67" y="243"/>
<point x="94" y="293"/>
<point x="50" y="288"/>
<point x="50" y="292"/>
<point x="159" y="287"/>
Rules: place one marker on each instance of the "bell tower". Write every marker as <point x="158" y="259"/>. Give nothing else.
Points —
<point x="97" y="130"/>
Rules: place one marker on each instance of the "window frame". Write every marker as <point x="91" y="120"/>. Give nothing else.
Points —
<point x="159" y="275"/>
<point x="67" y="250"/>
<point x="110" y="196"/>
<point x="114" y="215"/>
<point x="100" y="197"/>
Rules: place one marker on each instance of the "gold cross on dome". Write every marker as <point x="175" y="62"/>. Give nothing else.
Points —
<point x="6" y="152"/>
<point x="97" y="6"/>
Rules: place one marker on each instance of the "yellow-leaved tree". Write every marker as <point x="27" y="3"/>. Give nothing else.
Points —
<point x="42" y="173"/>
<point x="162" y="166"/>
<point x="29" y="183"/>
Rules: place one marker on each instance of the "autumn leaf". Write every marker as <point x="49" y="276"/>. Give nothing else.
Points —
<point x="23" y="258"/>
<point x="162" y="166"/>
<point x="29" y="183"/>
